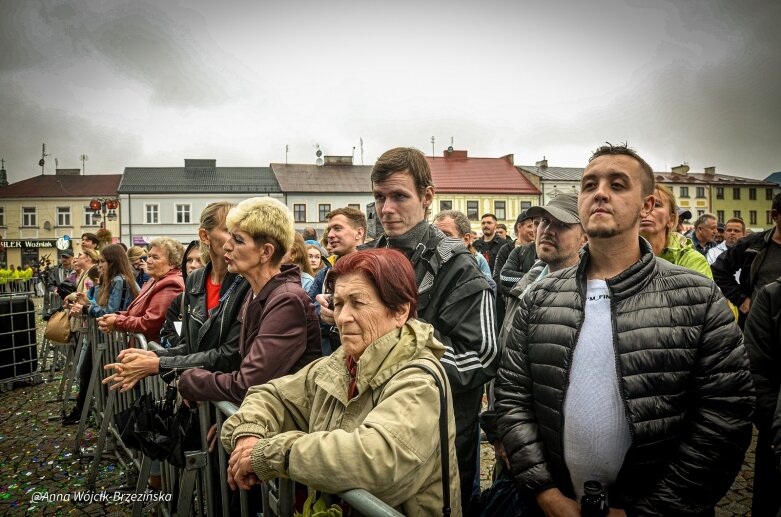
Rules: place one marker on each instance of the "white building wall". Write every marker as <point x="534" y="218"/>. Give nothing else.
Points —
<point x="312" y="201"/>
<point x="551" y="188"/>
<point x="133" y="214"/>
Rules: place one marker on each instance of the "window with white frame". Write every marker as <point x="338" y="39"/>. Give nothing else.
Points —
<point x="183" y="213"/>
<point x="89" y="217"/>
<point x="500" y="210"/>
<point x="63" y="216"/>
<point x="29" y="216"/>
<point x="152" y="213"/>
<point x="2" y="217"/>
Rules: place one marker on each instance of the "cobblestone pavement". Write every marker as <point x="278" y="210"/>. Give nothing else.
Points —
<point x="36" y="457"/>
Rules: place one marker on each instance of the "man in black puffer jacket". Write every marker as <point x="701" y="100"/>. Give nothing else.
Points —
<point x="625" y="369"/>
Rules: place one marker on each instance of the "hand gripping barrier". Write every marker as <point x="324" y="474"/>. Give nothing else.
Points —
<point x="195" y="489"/>
<point x="278" y="493"/>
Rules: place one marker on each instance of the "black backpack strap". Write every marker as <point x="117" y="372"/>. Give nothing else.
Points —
<point x="443" y="438"/>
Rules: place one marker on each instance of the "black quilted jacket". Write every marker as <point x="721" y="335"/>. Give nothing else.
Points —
<point x="682" y="372"/>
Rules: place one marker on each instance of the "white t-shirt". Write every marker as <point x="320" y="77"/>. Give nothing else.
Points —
<point x="596" y="432"/>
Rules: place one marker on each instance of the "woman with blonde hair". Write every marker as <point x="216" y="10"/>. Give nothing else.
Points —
<point x="658" y="227"/>
<point x="298" y="255"/>
<point x="138" y="257"/>
<point x="280" y="332"/>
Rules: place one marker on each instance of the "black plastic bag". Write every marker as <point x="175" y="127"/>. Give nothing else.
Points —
<point x="158" y="429"/>
<point x="502" y="499"/>
<point x="65" y="288"/>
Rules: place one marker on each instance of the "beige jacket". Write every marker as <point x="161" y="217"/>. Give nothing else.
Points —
<point x="385" y="440"/>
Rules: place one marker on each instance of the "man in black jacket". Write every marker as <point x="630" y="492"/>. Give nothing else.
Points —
<point x="453" y="295"/>
<point x="757" y="257"/>
<point x="624" y="369"/>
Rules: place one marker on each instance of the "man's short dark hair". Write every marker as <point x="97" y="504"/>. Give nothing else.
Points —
<point x="356" y="218"/>
<point x="309" y="234"/>
<point x="703" y="218"/>
<point x="488" y="214"/>
<point x="91" y="237"/>
<point x="647" y="179"/>
<point x="404" y="159"/>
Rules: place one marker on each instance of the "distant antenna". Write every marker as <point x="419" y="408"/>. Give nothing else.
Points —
<point x="83" y="159"/>
<point x="451" y="141"/>
<point x="361" y="150"/>
<point x="56" y="163"/>
<point x="433" y="152"/>
<point x="287" y="148"/>
<point x="42" y="161"/>
<point x="353" y="152"/>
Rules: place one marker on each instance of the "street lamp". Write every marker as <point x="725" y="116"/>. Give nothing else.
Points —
<point x="106" y="206"/>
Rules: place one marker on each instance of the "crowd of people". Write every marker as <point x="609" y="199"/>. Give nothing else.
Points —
<point x="613" y="347"/>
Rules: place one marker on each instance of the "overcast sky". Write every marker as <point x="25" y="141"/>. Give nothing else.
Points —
<point x="135" y="83"/>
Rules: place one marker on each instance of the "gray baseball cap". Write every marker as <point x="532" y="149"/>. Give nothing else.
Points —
<point x="563" y="207"/>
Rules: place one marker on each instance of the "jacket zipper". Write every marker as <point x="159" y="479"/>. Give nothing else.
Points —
<point x="619" y="376"/>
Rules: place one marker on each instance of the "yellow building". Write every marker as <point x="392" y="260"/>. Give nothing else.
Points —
<point x="37" y="212"/>
<point x="476" y="186"/>
<point x="723" y="195"/>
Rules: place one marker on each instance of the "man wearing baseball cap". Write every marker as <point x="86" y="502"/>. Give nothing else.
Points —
<point x="559" y="239"/>
<point x="514" y="260"/>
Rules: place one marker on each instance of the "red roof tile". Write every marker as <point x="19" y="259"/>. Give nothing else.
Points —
<point x="64" y="186"/>
<point x="478" y="176"/>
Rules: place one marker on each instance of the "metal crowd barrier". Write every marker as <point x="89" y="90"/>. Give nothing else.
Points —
<point x="18" y="340"/>
<point x="195" y="489"/>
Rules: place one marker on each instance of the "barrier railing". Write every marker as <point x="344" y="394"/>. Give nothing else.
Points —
<point x="195" y="489"/>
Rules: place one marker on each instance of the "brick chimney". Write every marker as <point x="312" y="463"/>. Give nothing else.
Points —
<point x="711" y="171"/>
<point x="542" y="164"/>
<point x="681" y="169"/>
<point x="510" y="159"/>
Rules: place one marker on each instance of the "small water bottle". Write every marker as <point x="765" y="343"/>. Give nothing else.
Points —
<point x="594" y="500"/>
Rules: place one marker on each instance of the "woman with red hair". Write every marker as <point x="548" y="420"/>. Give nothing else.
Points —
<point x="359" y="418"/>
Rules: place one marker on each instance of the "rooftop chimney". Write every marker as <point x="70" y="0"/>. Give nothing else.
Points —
<point x="338" y="160"/>
<point x="681" y="169"/>
<point x="454" y="154"/>
<point x="542" y="164"/>
<point x="710" y="170"/>
<point x="199" y="164"/>
<point x="68" y="172"/>
<point x="510" y="158"/>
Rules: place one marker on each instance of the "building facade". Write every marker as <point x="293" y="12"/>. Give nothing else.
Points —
<point x="311" y="191"/>
<point x="37" y="212"/>
<point x="722" y="195"/>
<point x="167" y="201"/>
<point x="476" y="186"/>
<point x="552" y="181"/>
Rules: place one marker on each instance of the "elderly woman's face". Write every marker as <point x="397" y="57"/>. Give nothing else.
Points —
<point x="241" y="252"/>
<point x="360" y="314"/>
<point x="157" y="264"/>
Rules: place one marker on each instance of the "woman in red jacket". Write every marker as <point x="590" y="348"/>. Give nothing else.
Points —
<point x="146" y="314"/>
